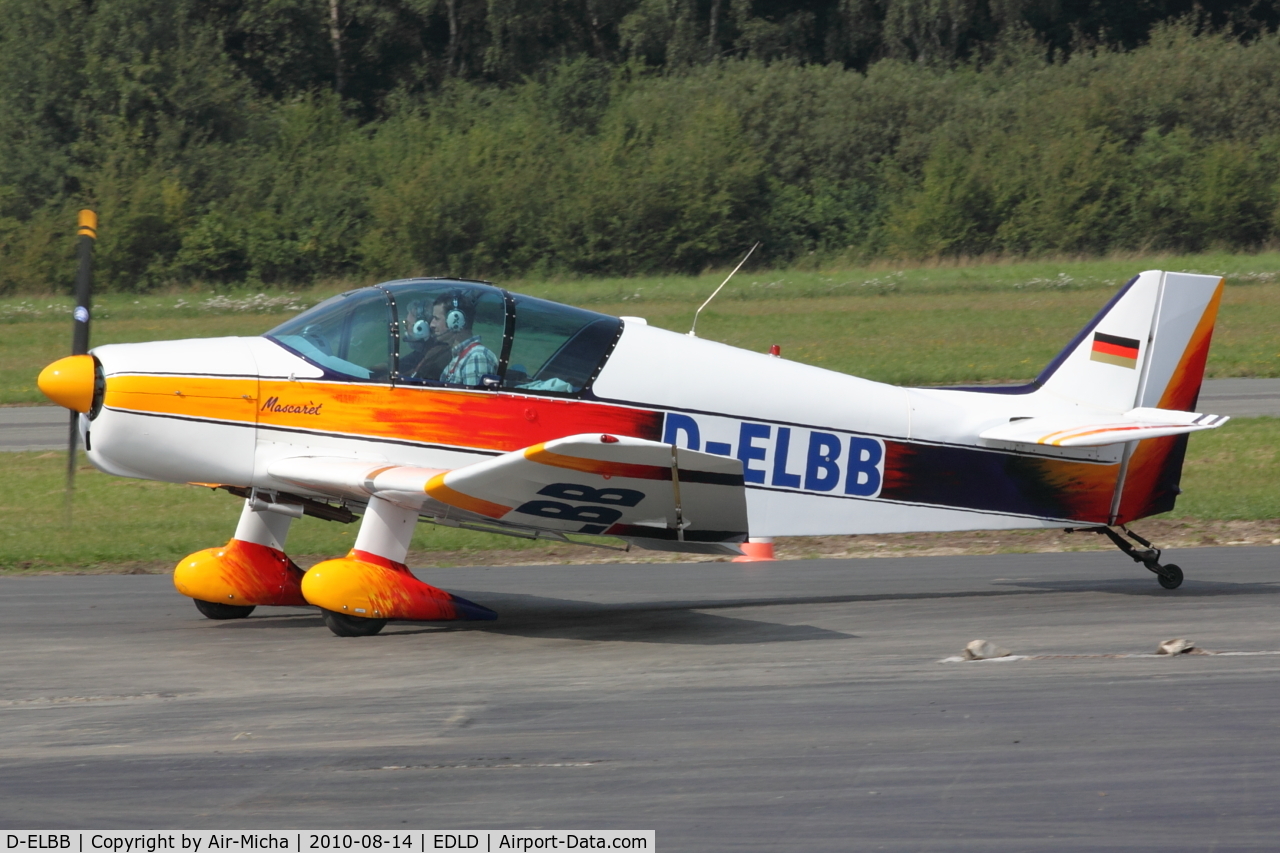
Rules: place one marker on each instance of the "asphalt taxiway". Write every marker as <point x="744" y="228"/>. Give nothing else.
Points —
<point x="779" y="706"/>
<point x="34" y="428"/>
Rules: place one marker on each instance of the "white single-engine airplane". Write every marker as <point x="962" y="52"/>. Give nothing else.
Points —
<point x="461" y="403"/>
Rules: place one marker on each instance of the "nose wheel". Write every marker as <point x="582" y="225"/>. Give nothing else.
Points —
<point x="1169" y="576"/>
<point x="351" y="626"/>
<point x="218" y="610"/>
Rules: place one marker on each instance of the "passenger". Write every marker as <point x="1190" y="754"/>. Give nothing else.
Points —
<point x="452" y="316"/>
<point x="426" y="355"/>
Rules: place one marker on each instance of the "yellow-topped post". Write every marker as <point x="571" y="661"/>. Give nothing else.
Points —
<point x="88" y="224"/>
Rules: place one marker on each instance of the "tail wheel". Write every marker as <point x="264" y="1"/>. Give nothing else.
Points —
<point x="351" y="626"/>
<point x="1170" y="577"/>
<point x="217" y="610"/>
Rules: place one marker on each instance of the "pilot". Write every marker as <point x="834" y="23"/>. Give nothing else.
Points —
<point x="452" y="316"/>
<point x="426" y="355"/>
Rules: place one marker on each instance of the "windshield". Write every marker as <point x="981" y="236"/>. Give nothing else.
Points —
<point x="349" y="335"/>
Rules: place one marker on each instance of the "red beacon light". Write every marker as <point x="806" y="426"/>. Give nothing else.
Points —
<point x="775" y="351"/>
<point x="609" y="439"/>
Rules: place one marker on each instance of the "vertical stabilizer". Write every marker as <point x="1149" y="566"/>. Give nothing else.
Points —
<point x="1103" y="366"/>
<point x="1146" y="348"/>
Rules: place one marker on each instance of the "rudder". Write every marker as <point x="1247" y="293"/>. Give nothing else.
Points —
<point x="1183" y="328"/>
<point x="1172" y="376"/>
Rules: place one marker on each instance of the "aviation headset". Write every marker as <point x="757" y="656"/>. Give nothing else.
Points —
<point x="419" y="330"/>
<point x="455" y="319"/>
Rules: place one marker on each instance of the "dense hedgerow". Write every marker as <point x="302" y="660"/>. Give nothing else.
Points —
<point x="597" y="168"/>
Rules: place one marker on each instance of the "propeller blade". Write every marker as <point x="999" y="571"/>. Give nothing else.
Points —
<point x="87" y="234"/>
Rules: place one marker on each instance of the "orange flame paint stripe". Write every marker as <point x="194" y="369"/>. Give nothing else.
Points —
<point x="217" y="398"/>
<point x="437" y="489"/>
<point x="1082" y="433"/>
<point x="538" y="453"/>
<point x="1063" y="434"/>
<point x="1059" y="435"/>
<point x="454" y="417"/>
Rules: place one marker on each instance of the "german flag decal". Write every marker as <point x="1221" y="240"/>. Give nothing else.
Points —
<point x="1113" y="349"/>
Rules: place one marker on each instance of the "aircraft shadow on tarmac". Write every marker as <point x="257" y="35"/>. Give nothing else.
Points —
<point x="679" y="623"/>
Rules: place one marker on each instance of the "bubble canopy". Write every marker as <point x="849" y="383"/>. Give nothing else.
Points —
<point x="454" y="333"/>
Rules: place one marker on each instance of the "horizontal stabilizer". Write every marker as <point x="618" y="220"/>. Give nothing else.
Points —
<point x="1133" y="425"/>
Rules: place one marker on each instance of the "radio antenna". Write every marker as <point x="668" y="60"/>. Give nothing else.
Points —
<point x="693" y="330"/>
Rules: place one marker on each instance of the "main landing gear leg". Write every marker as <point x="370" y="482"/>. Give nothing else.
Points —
<point x="1170" y="576"/>
<point x="358" y="593"/>
<point x="250" y="570"/>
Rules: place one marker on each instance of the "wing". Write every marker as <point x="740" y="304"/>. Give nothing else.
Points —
<point x="646" y="492"/>
<point x="353" y="478"/>
<point x="1133" y="425"/>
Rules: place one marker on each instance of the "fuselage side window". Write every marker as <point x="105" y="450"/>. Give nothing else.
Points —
<point x="556" y="348"/>
<point x="348" y="335"/>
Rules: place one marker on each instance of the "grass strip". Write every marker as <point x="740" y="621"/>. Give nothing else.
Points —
<point x="1231" y="475"/>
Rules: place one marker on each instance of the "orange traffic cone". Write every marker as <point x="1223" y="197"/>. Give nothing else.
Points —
<point x="756" y="551"/>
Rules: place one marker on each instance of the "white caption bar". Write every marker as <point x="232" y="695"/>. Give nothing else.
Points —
<point x="384" y="841"/>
